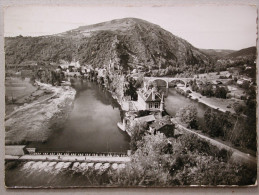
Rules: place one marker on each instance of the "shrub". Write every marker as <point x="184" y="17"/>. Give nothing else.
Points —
<point x="188" y="115"/>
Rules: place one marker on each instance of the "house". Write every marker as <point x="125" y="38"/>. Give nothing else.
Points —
<point x="75" y="64"/>
<point x="150" y="99"/>
<point x="164" y="126"/>
<point x="64" y="66"/>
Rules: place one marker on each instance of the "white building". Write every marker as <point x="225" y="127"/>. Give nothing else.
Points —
<point x="150" y="99"/>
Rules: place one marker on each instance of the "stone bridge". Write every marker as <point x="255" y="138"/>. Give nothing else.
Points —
<point x="167" y="80"/>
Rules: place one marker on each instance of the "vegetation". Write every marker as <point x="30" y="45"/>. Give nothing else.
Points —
<point x="207" y="90"/>
<point x="188" y="115"/>
<point x="47" y="75"/>
<point x="187" y="160"/>
<point x="221" y="92"/>
<point x="131" y="89"/>
<point x="239" y="130"/>
<point x="138" y="131"/>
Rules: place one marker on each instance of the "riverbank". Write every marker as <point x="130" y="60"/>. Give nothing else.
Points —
<point x="222" y="105"/>
<point x="33" y="121"/>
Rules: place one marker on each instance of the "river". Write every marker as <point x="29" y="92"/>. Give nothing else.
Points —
<point x="175" y="101"/>
<point x="92" y="125"/>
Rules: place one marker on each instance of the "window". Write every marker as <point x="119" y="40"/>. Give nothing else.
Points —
<point x="156" y="105"/>
<point x="150" y="105"/>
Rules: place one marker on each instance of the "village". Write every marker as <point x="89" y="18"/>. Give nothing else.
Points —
<point x="148" y="96"/>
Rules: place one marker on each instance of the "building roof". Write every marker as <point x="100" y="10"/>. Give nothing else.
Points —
<point x="158" y="124"/>
<point x="148" y="118"/>
<point x="147" y="95"/>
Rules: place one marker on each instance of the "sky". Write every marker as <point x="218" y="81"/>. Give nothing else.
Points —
<point x="207" y="27"/>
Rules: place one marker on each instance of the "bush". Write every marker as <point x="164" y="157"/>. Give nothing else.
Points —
<point x="188" y="115"/>
<point x="221" y="92"/>
<point x="239" y="108"/>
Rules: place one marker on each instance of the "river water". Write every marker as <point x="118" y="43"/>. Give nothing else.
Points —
<point x="92" y="125"/>
<point x="175" y="101"/>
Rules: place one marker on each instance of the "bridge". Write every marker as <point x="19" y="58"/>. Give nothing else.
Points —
<point x="167" y="80"/>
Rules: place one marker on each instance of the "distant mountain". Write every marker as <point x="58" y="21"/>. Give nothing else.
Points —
<point x="126" y="43"/>
<point x="243" y="53"/>
<point x="217" y="53"/>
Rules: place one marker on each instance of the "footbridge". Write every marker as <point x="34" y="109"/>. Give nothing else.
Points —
<point x="167" y="80"/>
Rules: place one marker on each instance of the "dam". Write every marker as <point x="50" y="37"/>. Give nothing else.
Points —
<point x="21" y="153"/>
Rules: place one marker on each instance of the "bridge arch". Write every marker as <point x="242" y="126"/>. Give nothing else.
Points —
<point x="176" y="81"/>
<point x="160" y="82"/>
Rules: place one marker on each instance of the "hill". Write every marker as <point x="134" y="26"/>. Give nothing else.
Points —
<point x="126" y="43"/>
<point x="217" y="53"/>
<point x="243" y="53"/>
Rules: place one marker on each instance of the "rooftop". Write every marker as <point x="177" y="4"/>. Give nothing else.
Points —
<point x="148" y="118"/>
<point x="146" y="95"/>
<point x="160" y="123"/>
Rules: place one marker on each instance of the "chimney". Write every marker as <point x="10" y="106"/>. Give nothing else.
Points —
<point x="162" y="103"/>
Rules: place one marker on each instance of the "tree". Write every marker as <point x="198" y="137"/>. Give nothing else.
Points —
<point x="207" y="90"/>
<point x="239" y="108"/>
<point x="194" y="85"/>
<point x="188" y="115"/>
<point x="139" y="82"/>
<point x="149" y="164"/>
<point x="138" y="131"/>
<point x="131" y="89"/>
<point x="160" y="161"/>
<point x="221" y="92"/>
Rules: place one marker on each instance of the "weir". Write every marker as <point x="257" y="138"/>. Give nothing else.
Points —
<point x="28" y="154"/>
<point x="20" y="152"/>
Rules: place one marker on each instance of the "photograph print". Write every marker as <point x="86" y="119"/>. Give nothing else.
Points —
<point x="99" y="96"/>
